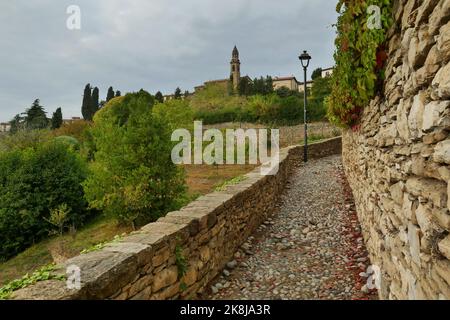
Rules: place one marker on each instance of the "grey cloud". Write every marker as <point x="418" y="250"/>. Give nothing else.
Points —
<point x="155" y="45"/>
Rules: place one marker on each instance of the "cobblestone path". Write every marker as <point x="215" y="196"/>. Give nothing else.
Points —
<point x="311" y="248"/>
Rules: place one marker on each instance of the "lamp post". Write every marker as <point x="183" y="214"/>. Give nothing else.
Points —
<point x="305" y="58"/>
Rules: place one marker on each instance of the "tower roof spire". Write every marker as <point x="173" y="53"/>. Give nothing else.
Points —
<point x="235" y="52"/>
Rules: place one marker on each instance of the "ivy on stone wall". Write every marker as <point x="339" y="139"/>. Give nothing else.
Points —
<point x="360" y="57"/>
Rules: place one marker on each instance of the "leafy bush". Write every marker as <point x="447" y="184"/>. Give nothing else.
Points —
<point x="23" y="139"/>
<point x="69" y="142"/>
<point x="360" y="56"/>
<point x="133" y="177"/>
<point x="76" y="129"/>
<point x="33" y="182"/>
<point x="177" y="112"/>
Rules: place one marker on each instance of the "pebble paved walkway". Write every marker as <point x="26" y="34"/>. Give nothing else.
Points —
<point x="311" y="248"/>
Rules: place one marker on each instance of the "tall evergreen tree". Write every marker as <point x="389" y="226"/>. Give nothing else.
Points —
<point x="57" y="119"/>
<point x="159" y="97"/>
<point x="177" y="94"/>
<point x="94" y="102"/>
<point x="16" y="124"/>
<point x="317" y="73"/>
<point x="245" y="88"/>
<point x="118" y="93"/>
<point x="269" y="85"/>
<point x="35" y="116"/>
<point x="87" y="101"/>
<point x="110" y="94"/>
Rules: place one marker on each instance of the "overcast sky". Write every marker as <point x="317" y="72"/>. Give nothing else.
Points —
<point x="150" y="44"/>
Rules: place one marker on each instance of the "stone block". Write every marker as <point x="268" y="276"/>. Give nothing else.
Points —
<point x="433" y="115"/>
<point x="414" y="243"/>
<point x="442" y="152"/>
<point x="396" y="191"/>
<point x="439" y="15"/>
<point x="444" y="247"/>
<point x="432" y="189"/>
<point x="165" y="278"/>
<point x="161" y="256"/>
<point x="442" y="268"/>
<point x="441" y="83"/>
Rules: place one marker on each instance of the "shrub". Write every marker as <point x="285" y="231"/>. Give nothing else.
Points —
<point x="69" y="142"/>
<point x="33" y="182"/>
<point x="76" y="129"/>
<point x="23" y="139"/>
<point x="178" y="113"/>
<point x="133" y="177"/>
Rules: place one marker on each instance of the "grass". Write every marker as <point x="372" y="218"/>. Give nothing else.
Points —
<point x="231" y="182"/>
<point x="98" y="230"/>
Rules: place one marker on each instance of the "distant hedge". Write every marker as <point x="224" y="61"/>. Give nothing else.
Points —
<point x="33" y="181"/>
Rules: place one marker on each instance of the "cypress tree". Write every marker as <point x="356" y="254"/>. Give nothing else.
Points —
<point x="87" y="100"/>
<point x="269" y="85"/>
<point x="110" y="94"/>
<point x="94" y="102"/>
<point x="159" y="97"/>
<point x="57" y="119"/>
<point x="177" y="94"/>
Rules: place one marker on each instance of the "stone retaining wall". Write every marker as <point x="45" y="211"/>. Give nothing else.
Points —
<point x="205" y="234"/>
<point x="398" y="162"/>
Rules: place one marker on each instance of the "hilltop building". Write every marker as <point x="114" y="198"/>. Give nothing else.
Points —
<point x="235" y="74"/>
<point x="289" y="82"/>
<point x="5" y="127"/>
<point x="71" y="120"/>
<point x="327" y="72"/>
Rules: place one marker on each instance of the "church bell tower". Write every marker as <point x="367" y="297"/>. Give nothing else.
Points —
<point x="235" y="69"/>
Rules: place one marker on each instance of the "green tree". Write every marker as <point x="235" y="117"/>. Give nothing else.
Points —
<point x="16" y="124"/>
<point x="268" y="85"/>
<point x="87" y="102"/>
<point x="57" y="119"/>
<point x="35" y="116"/>
<point x="94" y="102"/>
<point x="186" y="94"/>
<point x="283" y="92"/>
<point x="118" y="93"/>
<point x="110" y="94"/>
<point x="177" y="94"/>
<point x="159" y="97"/>
<point x="263" y="86"/>
<point x="320" y="90"/>
<point x="317" y="73"/>
<point x="133" y="177"/>
<point x="35" y="181"/>
<point x="245" y="87"/>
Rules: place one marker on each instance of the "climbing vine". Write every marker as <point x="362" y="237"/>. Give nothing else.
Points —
<point x="180" y="261"/>
<point x="360" y="58"/>
<point x="45" y="273"/>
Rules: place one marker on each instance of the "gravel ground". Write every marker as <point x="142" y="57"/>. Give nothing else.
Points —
<point x="311" y="248"/>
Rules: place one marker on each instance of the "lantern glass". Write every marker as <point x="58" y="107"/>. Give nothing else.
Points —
<point x="305" y="58"/>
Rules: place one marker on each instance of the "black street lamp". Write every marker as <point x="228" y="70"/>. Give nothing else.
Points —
<point x="304" y="58"/>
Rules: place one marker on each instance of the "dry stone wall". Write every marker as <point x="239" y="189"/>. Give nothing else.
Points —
<point x="202" y="236"/>
<point x="397" y="163"/>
